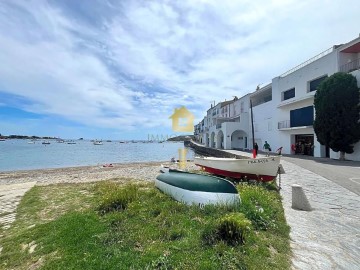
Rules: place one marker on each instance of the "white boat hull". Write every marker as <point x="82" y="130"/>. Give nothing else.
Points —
<point x="199" y="198"/>
<point x="262" y="169"/>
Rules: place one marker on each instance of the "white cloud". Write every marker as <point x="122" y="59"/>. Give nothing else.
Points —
<point x="147" y="57"/>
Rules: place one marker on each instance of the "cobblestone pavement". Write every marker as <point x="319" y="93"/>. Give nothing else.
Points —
<point x="10" y="196"/>
<point x="328" y="237"/>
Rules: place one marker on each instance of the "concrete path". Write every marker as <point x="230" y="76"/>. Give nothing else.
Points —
<point x="328" y="237"/>
<point x="343" y="173"/>
<point x="10" y="196"/>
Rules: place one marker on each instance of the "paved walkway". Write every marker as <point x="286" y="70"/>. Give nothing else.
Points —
<point x="10" y="196"/>
<point x="328" y="237"/>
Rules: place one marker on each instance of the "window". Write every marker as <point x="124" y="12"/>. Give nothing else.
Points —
<point x="302" y="117"/>
<point x="288" y="94"/>
<point x="315" y="83"/>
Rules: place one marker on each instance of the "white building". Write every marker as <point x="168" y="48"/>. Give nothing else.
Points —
<point x="283" y="110"/>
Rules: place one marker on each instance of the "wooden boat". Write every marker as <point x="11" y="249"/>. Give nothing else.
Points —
<point x="261" y="169"/>
<point x="198" y="189"/>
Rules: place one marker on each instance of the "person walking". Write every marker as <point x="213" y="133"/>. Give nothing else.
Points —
<point x="267" y="148"/>
<point x="279" y="150"/>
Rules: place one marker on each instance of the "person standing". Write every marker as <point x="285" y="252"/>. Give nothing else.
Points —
<point x="256" y="148"/>
<point x="267" y="148"/>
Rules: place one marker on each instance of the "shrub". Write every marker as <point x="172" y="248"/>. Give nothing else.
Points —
<point x="233" y="227"/>
<point x="113" y="197"/>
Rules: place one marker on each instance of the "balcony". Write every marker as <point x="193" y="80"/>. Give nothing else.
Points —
<point x="284" y="124"/>
<point x="218" y="126"/>
<point x="351" y="66"/>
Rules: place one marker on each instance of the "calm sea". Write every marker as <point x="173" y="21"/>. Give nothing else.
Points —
<point x="20" y="155"/>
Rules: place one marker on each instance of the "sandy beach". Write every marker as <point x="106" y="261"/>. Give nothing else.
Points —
<point x="140" y="171"/>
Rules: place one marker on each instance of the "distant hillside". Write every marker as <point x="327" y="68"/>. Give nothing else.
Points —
<point x="181" y="138"/>
<point x="24" y="137"/>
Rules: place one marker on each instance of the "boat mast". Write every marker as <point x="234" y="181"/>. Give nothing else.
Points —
<point x="252" y="129"/>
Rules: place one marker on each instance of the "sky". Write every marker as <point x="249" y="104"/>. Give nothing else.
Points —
<point x="118" y="69"/>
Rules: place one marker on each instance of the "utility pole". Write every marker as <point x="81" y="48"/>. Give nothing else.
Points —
<point x="252" y="129"/>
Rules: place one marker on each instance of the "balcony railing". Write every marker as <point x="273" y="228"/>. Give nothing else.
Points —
<point x="322" y="54"/>
<point x="351" y="66"/>
<point x="284" y="124"/>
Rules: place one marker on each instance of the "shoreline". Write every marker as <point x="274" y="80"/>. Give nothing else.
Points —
<point x="143" y="171"/>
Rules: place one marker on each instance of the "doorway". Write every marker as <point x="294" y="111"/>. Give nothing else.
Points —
<point x="304" y="144"/>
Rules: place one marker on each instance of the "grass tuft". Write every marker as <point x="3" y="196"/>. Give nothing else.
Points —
<point x="260" y="206"/>
<point x="115" y="197"/>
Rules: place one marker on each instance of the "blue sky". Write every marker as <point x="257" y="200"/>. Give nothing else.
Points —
<point x="118" y="69"/>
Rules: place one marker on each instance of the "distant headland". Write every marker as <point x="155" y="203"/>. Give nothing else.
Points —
<point x="25" y="137"/>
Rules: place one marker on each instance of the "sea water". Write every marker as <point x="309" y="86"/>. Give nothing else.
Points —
<point x="20" y="155"/>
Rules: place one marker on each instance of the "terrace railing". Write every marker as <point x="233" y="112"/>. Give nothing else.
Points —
<point x="351" y="66"/>
<point x="284" y="124"/>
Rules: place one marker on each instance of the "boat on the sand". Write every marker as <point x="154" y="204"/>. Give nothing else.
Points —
<point x="261" y="169"/>
<point x="198" y="189"/>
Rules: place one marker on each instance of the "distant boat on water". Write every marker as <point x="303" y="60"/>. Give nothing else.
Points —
<point x="31" y="142"/>
<point x="45" y="142"/>
<point x="71" y="142"/>
<point x="98" y="143"/>
<point x="2" y="140"/>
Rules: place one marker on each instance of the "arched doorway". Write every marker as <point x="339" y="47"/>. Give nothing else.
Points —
<point x="239" y="140"/>
<point x="220" y="140"/>
<point x="207" y="142"/>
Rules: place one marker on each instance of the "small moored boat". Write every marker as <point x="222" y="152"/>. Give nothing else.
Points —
<point x="199" y="189"/>
<point x="261" y="169"/>
<point x="98" y="143"/>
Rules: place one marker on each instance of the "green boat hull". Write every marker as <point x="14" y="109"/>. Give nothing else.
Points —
<point x="199" y="189"/>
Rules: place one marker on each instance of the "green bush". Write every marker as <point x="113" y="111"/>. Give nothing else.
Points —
<point x="233" y="227"/>
<point x="114" y="197"/>
<point x="259" y="205"/>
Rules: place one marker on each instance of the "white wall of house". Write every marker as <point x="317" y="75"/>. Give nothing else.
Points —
<point x="265" y="125"/>
<point x="268" y="115"/>
<point x="300" y="80"/>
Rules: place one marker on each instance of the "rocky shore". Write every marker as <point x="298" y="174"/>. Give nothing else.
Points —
<point x="139" y="171"/>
